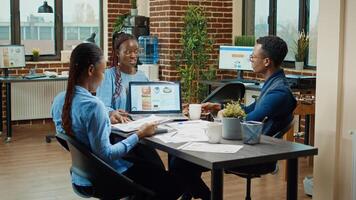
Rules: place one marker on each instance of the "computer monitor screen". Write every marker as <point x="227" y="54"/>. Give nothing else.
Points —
<point x="12" y="56"/>
<point x="235" y="57"/>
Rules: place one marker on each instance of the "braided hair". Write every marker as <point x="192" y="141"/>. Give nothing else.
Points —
<point x="83" y="56"/>
<point x="118" y="38"/>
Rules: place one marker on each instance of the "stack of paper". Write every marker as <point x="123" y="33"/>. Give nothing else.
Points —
<point x="187" y="131"/>
<point x="135" y="125"/>
<point x="213" y="148"/>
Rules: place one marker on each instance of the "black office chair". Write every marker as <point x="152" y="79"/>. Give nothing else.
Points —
<point x="103" y="177"/>
<point x="256" y="171"/>
<point x="226" y="93"/>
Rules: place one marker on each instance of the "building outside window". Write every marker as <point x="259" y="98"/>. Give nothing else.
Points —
<point x="80" y="19"/>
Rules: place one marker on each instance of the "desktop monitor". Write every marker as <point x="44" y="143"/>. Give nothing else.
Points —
<point x="12" y="56"/>
<point x="235" y="57"/>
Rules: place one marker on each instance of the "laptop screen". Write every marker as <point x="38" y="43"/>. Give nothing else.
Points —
<point x="154" y="97"/>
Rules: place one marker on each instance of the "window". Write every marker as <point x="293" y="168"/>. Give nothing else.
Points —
<point x="51" y="32"/>
<point x="284" y="19"/>
<point x="82" y="18"/>
<point x="287" y="24"/>
<point x="5" y="26"/>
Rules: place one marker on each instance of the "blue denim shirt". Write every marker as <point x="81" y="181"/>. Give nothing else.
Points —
<point x="107" y="88"/>
<point x="91" y="126"/>
<point x="276" y="101"/>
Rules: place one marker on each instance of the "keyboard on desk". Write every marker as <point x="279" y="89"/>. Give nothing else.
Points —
<point x="34" y="76"/>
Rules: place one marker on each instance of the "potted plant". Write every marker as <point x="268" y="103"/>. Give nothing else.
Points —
<point x="134" y="8"/>
<point x="192" y="62"/>
<point x="245" y="40"/>
<point x="35" y="54"/>
<point x="119" y="22"/>
<point x="301" y="49"/>
<point x="232" y="115"/>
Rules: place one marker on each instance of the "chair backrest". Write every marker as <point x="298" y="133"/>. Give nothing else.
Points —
<point x="103" y="177"/>
<point x="226" y="93"/>
<point x="284" y="130"/>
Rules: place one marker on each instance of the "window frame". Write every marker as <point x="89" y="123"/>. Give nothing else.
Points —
<point x="303" y="22"/>
<point x="58" y="28"/>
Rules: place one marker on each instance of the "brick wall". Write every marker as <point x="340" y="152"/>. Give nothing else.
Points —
<point x="166" y="21"/>
<point x="116" y="7"/>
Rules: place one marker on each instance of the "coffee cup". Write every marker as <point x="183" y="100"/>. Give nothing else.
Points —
<point x="214" y="132"/>
<point x="194" y="111"/>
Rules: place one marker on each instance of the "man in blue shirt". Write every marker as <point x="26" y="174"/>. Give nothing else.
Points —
<point x="276" y="102"/>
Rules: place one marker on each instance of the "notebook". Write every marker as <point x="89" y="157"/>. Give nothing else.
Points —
<point x="159" y="98"/>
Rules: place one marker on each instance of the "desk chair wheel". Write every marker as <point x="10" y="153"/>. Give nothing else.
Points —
<point x="7" y="139"/>
<point x="49" y="137"/>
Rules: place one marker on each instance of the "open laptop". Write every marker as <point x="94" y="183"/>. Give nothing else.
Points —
<point x="159" y="98"/>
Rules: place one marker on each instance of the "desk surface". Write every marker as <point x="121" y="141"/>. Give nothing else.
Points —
<point x="270" y="149"/>
<point x="11" y="79"/>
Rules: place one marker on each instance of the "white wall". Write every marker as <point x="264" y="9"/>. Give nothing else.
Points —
<point x="236" y="18"/>
<point x="335" y="97"/>
<point x="105" y="24"/>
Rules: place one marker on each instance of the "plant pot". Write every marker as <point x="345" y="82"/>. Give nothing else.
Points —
<point x="231" y="128"/>
<point x="35" y="58"/>
<point x="299" y="65"/>
<point x="134" y="12"/>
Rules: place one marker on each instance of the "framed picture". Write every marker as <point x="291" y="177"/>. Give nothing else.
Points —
<point x="12" y="56"/>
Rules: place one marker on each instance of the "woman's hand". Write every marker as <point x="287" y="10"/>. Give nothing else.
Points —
<point x="147" y="130"/>
<point x="118" y="116"/>
<point x="211" y="107"/>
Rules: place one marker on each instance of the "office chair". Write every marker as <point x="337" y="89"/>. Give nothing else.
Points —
<point x="256" y="171"/>
<point x="226" y="93"/>
<point x="103" y="177"/>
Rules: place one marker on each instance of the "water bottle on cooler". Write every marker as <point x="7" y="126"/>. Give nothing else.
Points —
<point x="148" y="49"/>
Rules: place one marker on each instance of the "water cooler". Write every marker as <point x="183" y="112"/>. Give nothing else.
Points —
<point x="148" y="56"/>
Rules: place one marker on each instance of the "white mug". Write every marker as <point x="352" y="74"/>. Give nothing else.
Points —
<point x="194" y="111"/>
<point x="214" y="132"/>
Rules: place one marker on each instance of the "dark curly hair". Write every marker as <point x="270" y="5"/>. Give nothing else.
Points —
<point x="274" y="48"/>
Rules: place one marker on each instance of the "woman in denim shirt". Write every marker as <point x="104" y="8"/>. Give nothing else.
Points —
<point x="114" y="89"/>
<point x="85" y="118"/>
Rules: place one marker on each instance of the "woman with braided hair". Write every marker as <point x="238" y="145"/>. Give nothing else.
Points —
<point x="113" y="91"/>
<point x="85" y="118"/>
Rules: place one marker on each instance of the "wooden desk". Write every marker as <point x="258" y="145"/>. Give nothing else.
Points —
<point x="270" y="149"/>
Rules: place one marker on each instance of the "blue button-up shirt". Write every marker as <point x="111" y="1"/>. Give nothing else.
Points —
<point x="276" y="102"/>
<point x="91" y="126"/>
<point x="106" y="90"/>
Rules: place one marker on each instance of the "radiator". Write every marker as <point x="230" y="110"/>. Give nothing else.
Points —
<point x="353" y="133"/>
<point x="33" y="100"/>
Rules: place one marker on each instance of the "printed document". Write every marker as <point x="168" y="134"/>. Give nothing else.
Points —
<point x="135" y="125"/>
<point x="213" y="148"/>
<point x="186" y="131"/>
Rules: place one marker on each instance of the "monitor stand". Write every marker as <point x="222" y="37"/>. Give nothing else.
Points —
<point x="240" y="78"/>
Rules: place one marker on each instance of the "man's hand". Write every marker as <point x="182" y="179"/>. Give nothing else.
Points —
<point x="118" y="116"/>
<point x="211" y="107"/>
<point x="147" y="130"/>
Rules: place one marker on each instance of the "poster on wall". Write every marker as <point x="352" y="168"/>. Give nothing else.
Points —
<point x="12" y="56"/>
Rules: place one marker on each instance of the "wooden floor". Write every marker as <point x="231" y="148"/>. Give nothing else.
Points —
<point x="32" y="169"/>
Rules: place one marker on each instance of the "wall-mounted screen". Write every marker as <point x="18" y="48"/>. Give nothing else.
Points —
<point x="235" y="57"/>
<point x="12" y="56"/>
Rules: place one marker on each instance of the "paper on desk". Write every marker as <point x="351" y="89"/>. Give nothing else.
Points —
<point x="213" y="148"/>
<point x="135" y="125"/>
<point x="187" y="131"/>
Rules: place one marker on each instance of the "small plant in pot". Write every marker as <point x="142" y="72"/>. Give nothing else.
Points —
<point x="301" y="50"/>
<point x="134" y="8"/>
<point x="232" y="115"/>
<point x="35" y="54"/>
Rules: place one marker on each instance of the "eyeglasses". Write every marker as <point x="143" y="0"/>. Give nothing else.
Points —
<point x="129" y="52"/>
<point x="252" y="57"/>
